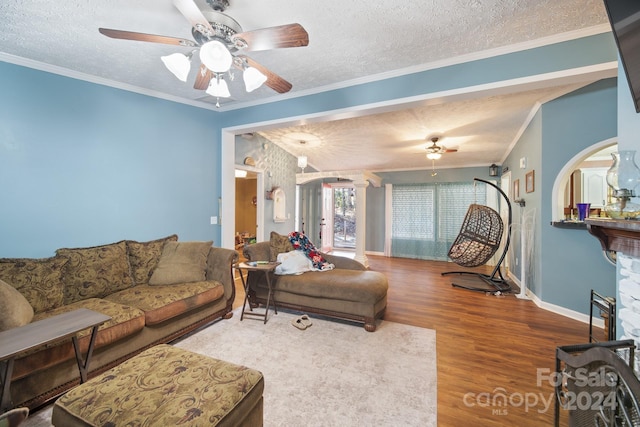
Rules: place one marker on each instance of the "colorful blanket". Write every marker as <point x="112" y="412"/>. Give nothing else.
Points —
<point x="300" y="242"/>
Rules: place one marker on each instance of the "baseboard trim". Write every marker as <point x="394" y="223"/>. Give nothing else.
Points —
<point x="584" y="318"/>
<point x="375" y="253"/>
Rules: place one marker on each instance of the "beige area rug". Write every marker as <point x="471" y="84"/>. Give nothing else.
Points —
<point x="330" y="374"/>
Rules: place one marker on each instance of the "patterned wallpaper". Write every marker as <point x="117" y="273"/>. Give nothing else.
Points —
<point x="279" y="169"/>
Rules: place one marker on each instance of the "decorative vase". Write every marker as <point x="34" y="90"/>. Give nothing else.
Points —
<point x="583" y="211"/>
<point x="623" y="177"/>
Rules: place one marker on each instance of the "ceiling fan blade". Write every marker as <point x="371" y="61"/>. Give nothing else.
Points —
<point x="274" y="81"/>
<point x="203" y="77"/>
<point x="450" y="150"/>
<point x="194" y="15"/>
<point x="144" y="37"/>
<point x="290" y="35"/>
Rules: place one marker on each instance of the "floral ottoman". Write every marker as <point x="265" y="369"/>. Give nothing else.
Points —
<point x="165" y="386"/>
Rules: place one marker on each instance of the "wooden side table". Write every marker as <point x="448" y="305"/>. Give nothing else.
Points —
<point x="260" y="266"/>
<point x="35" y="334"/>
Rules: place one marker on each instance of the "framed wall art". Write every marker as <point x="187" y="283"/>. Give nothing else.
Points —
<point x="516" y="189"/>
<point x="530" y="182"/>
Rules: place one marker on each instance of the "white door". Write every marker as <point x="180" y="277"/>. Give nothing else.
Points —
<point x="326" y="222"/>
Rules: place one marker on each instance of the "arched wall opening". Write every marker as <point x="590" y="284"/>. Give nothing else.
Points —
<point x="559" y="185"/>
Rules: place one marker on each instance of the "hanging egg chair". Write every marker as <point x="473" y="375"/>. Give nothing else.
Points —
<point x="478" y="240"/>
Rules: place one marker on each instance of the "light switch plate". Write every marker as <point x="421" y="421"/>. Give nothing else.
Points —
<point x="523" y="162"/>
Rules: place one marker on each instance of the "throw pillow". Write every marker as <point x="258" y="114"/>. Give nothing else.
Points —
<point x="38" y="279"/>
<point x="14" y="417"/>
<point x="278" y="244"/>
<point x="144" y="257"/>
<point x="181" y="262"/>
<point x="95" y="272"/>
<point x="16" y="310"/>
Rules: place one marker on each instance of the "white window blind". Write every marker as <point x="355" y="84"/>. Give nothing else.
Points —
<point x="413" y="212"/>
<point x="426" y="218"/>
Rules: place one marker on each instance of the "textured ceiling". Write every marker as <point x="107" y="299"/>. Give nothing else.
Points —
<point x="349" y="41"/>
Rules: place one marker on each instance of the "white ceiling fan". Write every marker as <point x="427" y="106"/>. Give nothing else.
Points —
<point x="435" y="151"/>
<point x="221" y="44"/>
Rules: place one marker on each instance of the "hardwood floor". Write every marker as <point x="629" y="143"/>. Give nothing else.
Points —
<point x="487" y="346"/>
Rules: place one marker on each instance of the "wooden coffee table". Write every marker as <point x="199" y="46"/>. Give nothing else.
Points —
<point x="267" y="268"/>
<point x="17" y="340"/>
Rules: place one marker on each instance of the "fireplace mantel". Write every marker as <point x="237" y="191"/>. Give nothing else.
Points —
<point x="618" y="235"/>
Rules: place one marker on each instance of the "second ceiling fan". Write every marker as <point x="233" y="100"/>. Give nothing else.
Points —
<point x="221" y="45"/>
<point x="435" y="151"/>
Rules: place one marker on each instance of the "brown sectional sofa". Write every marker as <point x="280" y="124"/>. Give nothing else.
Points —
<point x="350" y="291"/>
<point x="154" y="291"/>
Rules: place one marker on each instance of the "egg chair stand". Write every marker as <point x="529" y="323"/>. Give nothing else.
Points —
<point x="478" y="240"/>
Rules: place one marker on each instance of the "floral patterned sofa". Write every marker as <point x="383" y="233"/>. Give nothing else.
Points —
<point x="347" y="291"/>
<point x="154" y="292"/>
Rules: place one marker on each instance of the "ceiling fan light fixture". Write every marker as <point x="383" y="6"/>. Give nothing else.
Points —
<point x="178" y="64"/>
<point x="433" y="156"/>
<point x="215" y="56"/>
<point x="253" y="78"/>
<point x="218" y="88"/>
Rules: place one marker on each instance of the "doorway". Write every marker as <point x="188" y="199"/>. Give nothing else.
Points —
<point x="249" y="207"/>
<point x="339" y="217"/>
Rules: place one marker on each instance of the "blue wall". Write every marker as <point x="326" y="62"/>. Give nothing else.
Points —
<point x="570" y="124"/>
<point x="567" y="263"/>
<point x="83" y="165"/>
<point x="528" y="147"/>
<point x="628" y="118"/>
<point x="551" y="58"/>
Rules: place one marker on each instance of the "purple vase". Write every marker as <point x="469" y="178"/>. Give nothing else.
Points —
<point x="583" y="210"/>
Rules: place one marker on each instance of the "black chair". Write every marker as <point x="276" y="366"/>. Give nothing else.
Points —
<point x="478" y="240"/>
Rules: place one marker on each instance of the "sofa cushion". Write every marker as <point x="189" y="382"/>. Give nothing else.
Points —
<point x="144" y="256"/>
<point x="181" y="262"/>
<point x="165" y="386"/>
<point x="16" y="310"/>
<point x="278" y="244"/>
<point x="96" y="271"/>
<point x="125" y="321"/>
<point x="162" y="302"/>
<point x="347" y="285"/>
<point x="39" y="280"/>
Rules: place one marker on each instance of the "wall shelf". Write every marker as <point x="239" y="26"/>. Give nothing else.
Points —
<point x="620" y="235"/>
<point x="570" y="224"/>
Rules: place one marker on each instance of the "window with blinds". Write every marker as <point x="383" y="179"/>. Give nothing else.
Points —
<point x="426" y="218"/>
<point x="413" y="211"/>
